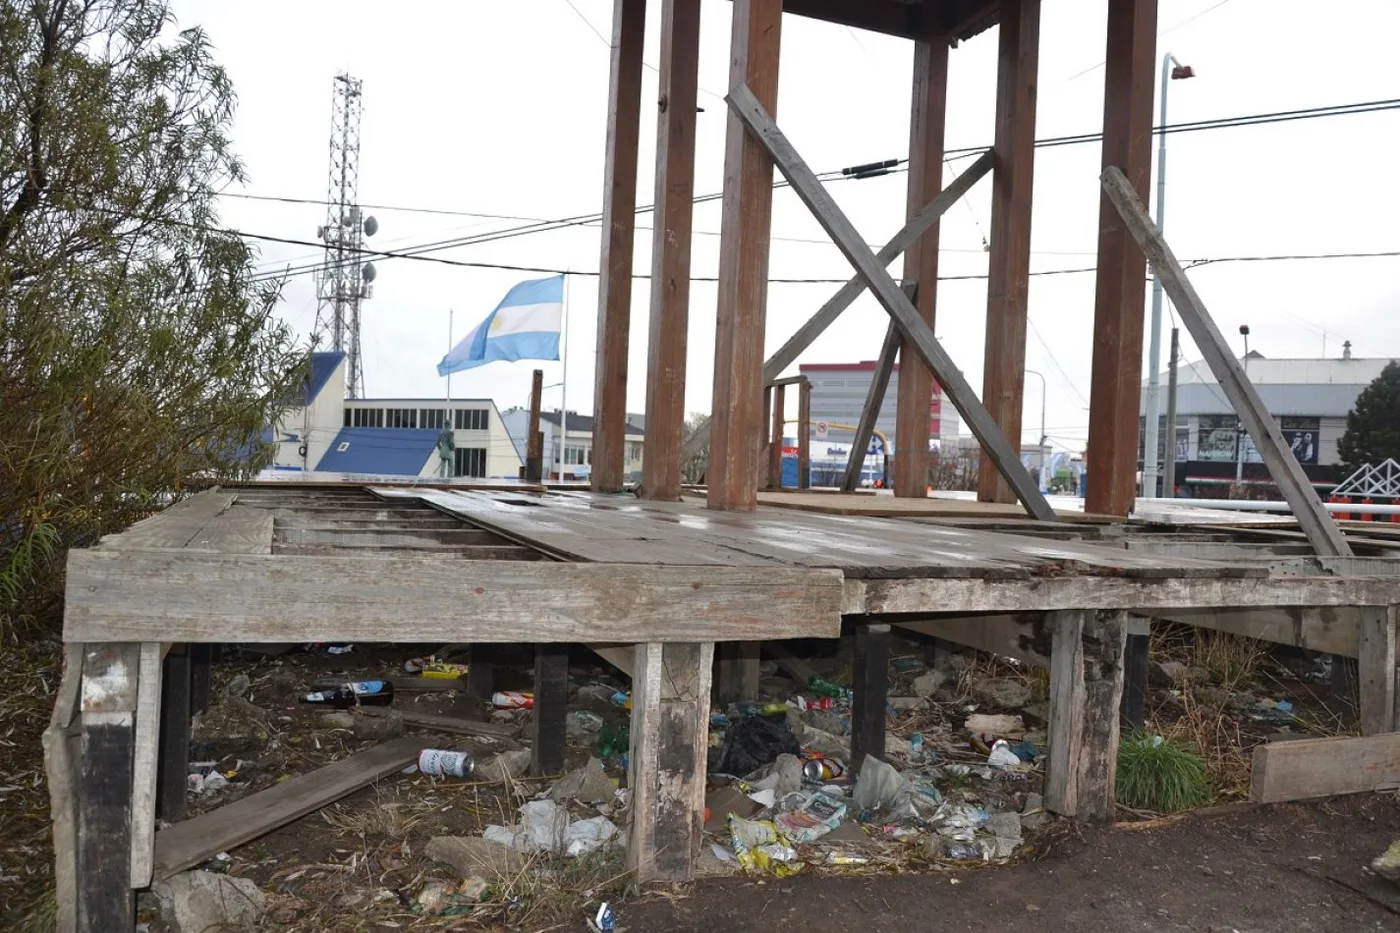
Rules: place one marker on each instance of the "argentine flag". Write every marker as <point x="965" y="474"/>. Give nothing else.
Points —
<point x="524" y="326"/>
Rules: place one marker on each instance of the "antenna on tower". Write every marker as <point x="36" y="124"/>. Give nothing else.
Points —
<point x="343" y="280"/>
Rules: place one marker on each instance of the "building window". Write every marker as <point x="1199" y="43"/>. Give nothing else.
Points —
<point x="403" y="417"/>
<point x="364" y="417"/>
<point x="469" y="461"/>
<point x="348" y="412"/>
<point x="434" y="418"/>
<point x="471" y="419"/>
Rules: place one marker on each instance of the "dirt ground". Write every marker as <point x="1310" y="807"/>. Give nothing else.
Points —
<point x="1286" y="868"/>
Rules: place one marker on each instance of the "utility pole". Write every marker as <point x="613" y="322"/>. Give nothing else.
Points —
<point x="1172" y="70"/>
<point x="1040" y="448"/>
<point x="1169" y="461"/>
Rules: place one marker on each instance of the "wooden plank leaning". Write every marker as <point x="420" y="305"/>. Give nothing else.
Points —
<point x="1324" y="534"/>
<point x="874" y="401"/>
<point x="916" y="330"/>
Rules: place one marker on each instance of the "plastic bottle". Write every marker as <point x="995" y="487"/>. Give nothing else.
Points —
<point x="344" y="696"/>
<point x="513" y="700"/>
<point x="826" y="688"/>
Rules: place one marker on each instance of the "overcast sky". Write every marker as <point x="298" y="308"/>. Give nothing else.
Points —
<point x="500" y="108"/>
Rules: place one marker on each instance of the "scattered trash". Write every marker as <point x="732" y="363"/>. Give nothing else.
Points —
<point x="444" y="762"/>
<point x="1002" y="756"/>
<point x="819" y="768"/>
<point x="1387" y="864"/>
<point x="753" y="708"/>
<point x="208" y="783"/>
<point x="583" y="721"/>
<point x="1277" y="710"/>
<point x="584" y="836"/>
<point x="435" y="898"/>
<point x="753" y="742"/>
<point x="604" y="920"/>
<point x="344" y="696"/>
<point x="504" y="766"/>
<point x="816" y="816"/>
<point x="1000" y="726"/>
<point x="845" y="858"/>
<point x="622" y="698"/>
<point x="725" y="801"/>
<point x="589" y="784"/>
<point x="828" y="688"/>
<point x="513" y="700"/>
<point x="545" y="826"/>
<point x="614" y="740"/>
<point x="1002" y="693"/>
<point x="758" y="848"/>
<point x="473" y="888"/>
<point x="878" y="785"/>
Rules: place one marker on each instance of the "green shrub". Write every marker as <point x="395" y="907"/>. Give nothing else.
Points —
<point x="1154" y="774"/>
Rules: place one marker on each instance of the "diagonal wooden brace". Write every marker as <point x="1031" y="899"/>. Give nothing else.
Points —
<point x="1323" y="533"/>
<point x="915" y="228"/>
<point x="874" y="401"/>
<point x="915" y="329"/>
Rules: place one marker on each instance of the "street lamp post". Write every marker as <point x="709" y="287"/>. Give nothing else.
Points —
<point x="1041" y="445"/>
<point x="1172" y="70"/>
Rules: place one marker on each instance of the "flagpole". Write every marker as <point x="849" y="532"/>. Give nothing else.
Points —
<point x="564" y="378"/>
<point x="451" y="312"/>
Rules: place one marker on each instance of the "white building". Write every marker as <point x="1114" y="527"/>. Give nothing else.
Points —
<point x="578" y="447"/>
<point x="390" y="437"/>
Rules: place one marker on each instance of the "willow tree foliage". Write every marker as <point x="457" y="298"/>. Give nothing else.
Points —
<point x="136" y="351"/>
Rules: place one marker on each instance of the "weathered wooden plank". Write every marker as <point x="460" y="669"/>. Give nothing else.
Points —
<point x="187" y="844"/>
<point x="426" y="549"/>
<point x="1009" y="253"/>
<point x="1086" y="691"/>
<point x="1323" y="533"/>
<point x="435" y="722"/>
<point x="737" y="400"/>
<point x="198" y="597"/>
<point x="670" y="249"/>
<point x="172" y="788"/>
<point x="174" y="526"/>
<point x="385" y="537"/>
<point x="551" y="709"/>
<point x="1305" y="768"/>
<point x="1120" y="281"/>
<point x="755" y="116"/>
<point x="105" y="899"/>
<point x="670" y="732"/>
<point x="239" y="530"/>
<point x="775" y="437"/>
<point x="804" y="434"/>
<point x="618" y="243"/>
<point x="843" y="299"/>
<point x="870" y="667"/>
<point x="619" y="656"/>
<point x="1148" y="597"/>
<point x="870" y="412"/>
<point x="146" y="763"/>
<point x="1134" y="708"/>
<point x="62" y="748"/>
<point x="1376" y="669"/>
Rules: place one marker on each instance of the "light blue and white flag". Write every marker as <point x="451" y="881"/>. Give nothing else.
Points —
<point x="524" y="326"/>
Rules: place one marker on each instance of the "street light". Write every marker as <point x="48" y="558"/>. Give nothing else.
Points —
<point x="1041" y="445"/>
<point x="1172" y="70"/>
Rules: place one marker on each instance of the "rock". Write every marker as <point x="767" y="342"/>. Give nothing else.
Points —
<point x="927" y="683"/>
<point x="503" y="767"/>
<point x="1005" y="826"/>
<point x="379" y="727"/>
<point x="1002" y="693"/>
<point x="1387" y="864"/>
<point x="588" y="785"/>
<point x="473" y="888"/>
<point x="1033" y="814"/>
<point x="196" y="901"/>
<point x="1168" y="673"/>
<point x="472" y="855"/>
<point x="788" y="768"/>
<point x="238" y="686"/>
<point x="582" y="722"/>
<point x="338" y="720"/>
<point x="1034" y="802"/>
<point x="904" y="704"/>
<point x="796" y="725"/>
<point x="435" y="897"/>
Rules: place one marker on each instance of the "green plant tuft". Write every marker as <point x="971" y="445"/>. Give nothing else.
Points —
<point x="1159" y="775"/>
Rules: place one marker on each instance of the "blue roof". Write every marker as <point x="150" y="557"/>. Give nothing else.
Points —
<point x="322" y="368"/>
<point x="387" y="451"/>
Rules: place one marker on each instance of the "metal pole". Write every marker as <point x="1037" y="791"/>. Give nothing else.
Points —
<point x="1154" y="345"/>
<point x="1169" y="462"/>
<point x="564" y="378"/>
<point x="1040" y="447"/>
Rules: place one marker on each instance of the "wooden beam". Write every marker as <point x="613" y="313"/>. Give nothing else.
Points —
<point x="927" y="120"/>
<point x="187" y="844"/>
<point x="1376" y="669"/>
<point x="804" y="434"/>
<point x="181" y="596"/>
<point x="1114" y="395"/>
<point x="775" y="438"/>
<point x="106" y="770"/>
<point x="1322" y="531"/>
<point x="1023" y="636"/>
<point x="732" y="478"/>
<point x="1086" y="689"/>
<point x="534" y="439"/>
<point x="738" y="672"/>
<point x="670" y="250"/>
<point x="891" y="17"/>
<point x="812" y="193"/>
<point x="481" y="670"/>
<point x="145" y="769"/>
<point x="619" y="234"/>
<point x="1009" y="262"/>
<point x="870" y="667"/>
<point x="548" y="725"/>
<point x="670" y="732"/>
<point x="1301" y="769"/>
<point x="789" y="352"/>
<point x="62" y="749"/>
<point x="874" y="401"/>
<point x="1134" y="708"/>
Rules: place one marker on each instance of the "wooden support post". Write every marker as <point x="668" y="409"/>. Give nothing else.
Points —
<point x="105" y="776"/>
<point x="481" y="671"/>
<point x="534" y="440"/>
<point x="1323" y="533"/>
<point x="1086" y="687"/>
<point x="670" y="732"/>
<point x="670" y="250"/>
<point x="819" y="201"/>
<point x="738" y="672"/>
<point x="145" y="768"/>
<point x="743" y="266"/>
<point x="927" y="119"/>
<point x="1114" y="396"/>
<point x="201" y="657"/>
<point x="62" y="749"/>
<point x="1009" y="263"/>
<point x="775" y="438"/>
<point x="619" y="232"/>
<point x="1135" y="672"/>
<point x="551" y="708"/>
<point x="874" y="401"/>
<point x="804" y="435"/>
<point x="1376" y="670"/>
<point x="871" y="670"/>
<point x="172" y="786"/>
